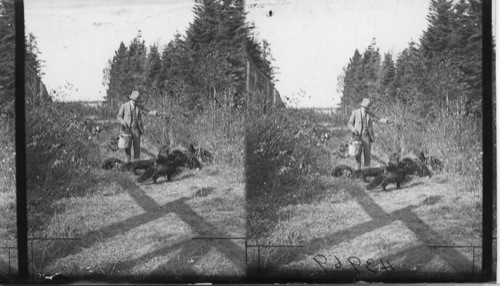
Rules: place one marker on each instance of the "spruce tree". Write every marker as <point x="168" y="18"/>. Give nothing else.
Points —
<point x="7" y="60"/>
<point x="117" y="71"/>
<point x="386" y="78"/>
<point x="153" y="70"/>
<point x="349" y="83"/>
<point x="136" y="64"/>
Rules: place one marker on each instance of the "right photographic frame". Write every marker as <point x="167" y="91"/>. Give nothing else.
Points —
<point x="364" y="141"/>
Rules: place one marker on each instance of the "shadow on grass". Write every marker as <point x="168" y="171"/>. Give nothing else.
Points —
<point x="153" y="211"/>
<point x="163" y="180"/>
<point x="458" y="263"/>
<point x="393" y="188"/>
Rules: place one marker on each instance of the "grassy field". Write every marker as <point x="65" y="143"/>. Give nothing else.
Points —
<point x="126" y="231"/>
<point x="345" y="232"/>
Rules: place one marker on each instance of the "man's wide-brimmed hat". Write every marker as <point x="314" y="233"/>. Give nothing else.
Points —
<point x="366" y="102"/>
<point x="135" y="96"/>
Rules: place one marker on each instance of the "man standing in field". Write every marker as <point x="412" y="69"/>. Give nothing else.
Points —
<point x="130" y="119"/>
<point x="360" y="124"/>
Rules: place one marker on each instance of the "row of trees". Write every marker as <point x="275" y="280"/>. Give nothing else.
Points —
<point x="201" y="65"/>
<point x="440" y="72"/>
<point x="7" y="60"/>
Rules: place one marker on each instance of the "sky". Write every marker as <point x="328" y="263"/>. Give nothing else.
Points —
<point x="311" y="41"/>
<point x="77" y="38"/>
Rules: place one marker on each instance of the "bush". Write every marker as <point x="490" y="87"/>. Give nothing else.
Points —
<point x="59" y="155"/>
<point x="283" y="164"/>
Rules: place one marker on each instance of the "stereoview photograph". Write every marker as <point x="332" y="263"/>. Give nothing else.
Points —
<point x="246" y="141"/>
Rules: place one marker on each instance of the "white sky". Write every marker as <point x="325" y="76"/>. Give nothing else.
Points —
<point x="310" y="40"/>
<point x="77" y="38"/>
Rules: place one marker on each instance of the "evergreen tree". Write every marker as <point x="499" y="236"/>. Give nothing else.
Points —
<point x="208" y="64"/>
<point x="467" y="42"/>
<point x="7" y="60"/>
<point x="360" y="79"/>
<point x="441" y="73"/>
<point x="436" y="39"/>
<point x="349" y="82"/>
<point x="135" y="70"/>
<point x="177" y="67"/>
<point x="371" y="66"/>
<point x="153" y="70"/>
<point x="117" y="74"/>
<point x="452" y="53"/>
<point x="386" y="78"/>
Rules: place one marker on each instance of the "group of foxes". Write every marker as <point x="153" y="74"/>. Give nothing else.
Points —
<point x="167" y="163"/>
<point x="396" y="171"/>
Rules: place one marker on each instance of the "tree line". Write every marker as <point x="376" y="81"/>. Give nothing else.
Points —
<point x="7" y="59"/>
<point x="203" y="65"/>
<point x="441" y="73"/>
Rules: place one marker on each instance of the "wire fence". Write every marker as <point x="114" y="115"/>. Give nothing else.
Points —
<point x="35" y="88"/>
<point x="262" y="94"/>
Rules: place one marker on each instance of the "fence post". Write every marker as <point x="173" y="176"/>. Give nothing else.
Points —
<point x="247" y="86"/>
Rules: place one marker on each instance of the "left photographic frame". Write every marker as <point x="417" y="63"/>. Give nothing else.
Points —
<point x="169" y="204"/>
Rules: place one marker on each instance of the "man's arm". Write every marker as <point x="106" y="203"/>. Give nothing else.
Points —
<point x="120" y="115"/>
<point x="350" y="124"/>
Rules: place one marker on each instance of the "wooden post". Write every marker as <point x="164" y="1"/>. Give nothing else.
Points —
<point x="21" y="188"/>
<point x="247" y="86"/>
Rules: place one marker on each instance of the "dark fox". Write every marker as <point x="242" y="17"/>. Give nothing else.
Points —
<point x="117" y="164"/>
<point x="186" y="159"/>
<point x="368" y="172"/>
<point x="433" y="162"/>
<point x="396" y="176"/>
<point x="138" y="165"/>
<point x="163" y="153"/>
<point x="163" y="167"/>
<point x="408" y="165"/>
<point x="342" y="171"/>
<point x="203" y="154"/>
<point x="168" y="163"/>
<point x="393" y="174"/>
<point x="412" y="167"/>
<point x="112" y="163"/>
<point x="348" y="172"/>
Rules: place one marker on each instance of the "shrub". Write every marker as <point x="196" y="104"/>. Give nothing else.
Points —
<point x="59" y="155"/>
<point x="283" y="165"/>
